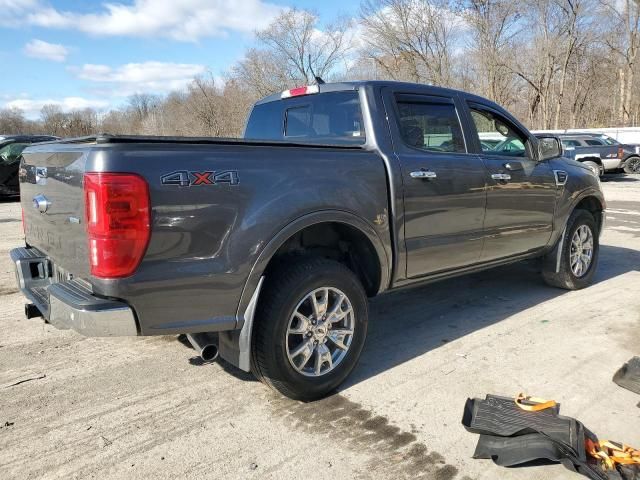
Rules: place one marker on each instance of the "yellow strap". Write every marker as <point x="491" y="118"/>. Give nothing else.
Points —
<point x="539" y="403"/>
<point x="612" y="453"/>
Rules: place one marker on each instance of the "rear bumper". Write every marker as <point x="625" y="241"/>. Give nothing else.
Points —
<point x="70" y="304"/>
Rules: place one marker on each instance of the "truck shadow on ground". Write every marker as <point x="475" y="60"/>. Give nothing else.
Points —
<point x="411" y="322"/>
<point x="408" y="323"/>
<point x="621" y="178"/>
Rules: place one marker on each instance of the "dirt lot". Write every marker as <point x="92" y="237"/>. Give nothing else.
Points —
<point x="144" y="408"/>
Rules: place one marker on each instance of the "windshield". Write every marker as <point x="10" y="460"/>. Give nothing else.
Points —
<point x="609" y="140"/>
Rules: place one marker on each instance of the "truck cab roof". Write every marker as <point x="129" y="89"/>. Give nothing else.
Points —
<point x="357" y="84"/>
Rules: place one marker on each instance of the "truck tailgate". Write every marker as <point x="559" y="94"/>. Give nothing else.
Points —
<point x="53" y="206"/>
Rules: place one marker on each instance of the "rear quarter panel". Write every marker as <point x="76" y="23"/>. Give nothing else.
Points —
<point x="205" y="239"/>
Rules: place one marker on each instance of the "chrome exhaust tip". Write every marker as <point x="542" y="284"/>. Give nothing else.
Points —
<point x="205" y="345"/>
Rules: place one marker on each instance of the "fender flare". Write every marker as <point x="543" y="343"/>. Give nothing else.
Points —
<point x="323" y="216"/>
<point x="235" y="345"/>
<point x="552" y="258"/>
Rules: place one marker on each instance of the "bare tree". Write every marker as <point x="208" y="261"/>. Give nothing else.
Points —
<point x="624" y="42"/>
<point x="411" y="39"/>
<point x="292" y="50"/>
<point x="575" y="16"/>
<point x="12" y="120"/>
<point x="493" y="25"/>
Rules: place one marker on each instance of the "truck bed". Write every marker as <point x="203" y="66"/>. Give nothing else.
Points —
<point x="205" y="237"/>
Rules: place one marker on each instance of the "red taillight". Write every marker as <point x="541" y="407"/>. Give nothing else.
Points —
<point x="299" y="91"/>
<point x="118" y="222"/>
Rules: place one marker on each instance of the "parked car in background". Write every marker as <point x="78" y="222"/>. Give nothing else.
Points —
<point x="601" y="152"/>
<point x="11" y="147"/>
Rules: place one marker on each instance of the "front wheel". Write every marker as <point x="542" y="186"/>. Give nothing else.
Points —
<point x="596" y="167"/>
<point x="579" y="254"/>
<point x="310" y="327"/>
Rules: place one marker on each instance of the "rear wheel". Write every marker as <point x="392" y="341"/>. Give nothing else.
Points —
<point x="596" y="167"/>
<point x="310" y="328"/>
<point x="632" y="165"/>
<point x="579" y="255"/>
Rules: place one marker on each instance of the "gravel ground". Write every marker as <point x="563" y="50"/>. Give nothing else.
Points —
<point x="74" y="407"/>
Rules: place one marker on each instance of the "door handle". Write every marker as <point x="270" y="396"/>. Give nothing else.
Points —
<point x="501" y="176"/>
<point x="423" y="174"/>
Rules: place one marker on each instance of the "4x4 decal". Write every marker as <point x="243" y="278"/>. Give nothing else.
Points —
<point x="184" y="178"/>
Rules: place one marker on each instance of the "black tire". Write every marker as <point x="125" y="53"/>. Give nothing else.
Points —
<point x="597" y="168"/>
<point x="286" y="286"/>
<point x="565" y="277"/>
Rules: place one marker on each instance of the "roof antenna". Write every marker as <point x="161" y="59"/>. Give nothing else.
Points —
<point x="319" y="81"/>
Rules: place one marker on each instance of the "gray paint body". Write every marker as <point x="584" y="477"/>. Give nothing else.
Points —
<point x="210" y="245"/>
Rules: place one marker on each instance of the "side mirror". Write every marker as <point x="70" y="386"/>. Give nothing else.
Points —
<point x="548" y="148"/>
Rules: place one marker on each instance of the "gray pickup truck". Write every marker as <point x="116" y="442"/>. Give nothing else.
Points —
<point x="601" y="153"/>
<point x="266" y="248"/>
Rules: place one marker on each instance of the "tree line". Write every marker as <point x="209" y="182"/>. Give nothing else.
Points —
<point x="553" y="63"/>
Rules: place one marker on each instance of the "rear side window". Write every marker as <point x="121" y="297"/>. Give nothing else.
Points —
<point x="430" y="126"/>
<point x="331" y="118"/>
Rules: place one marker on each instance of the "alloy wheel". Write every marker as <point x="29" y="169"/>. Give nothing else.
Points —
<point x="320" y="331"/>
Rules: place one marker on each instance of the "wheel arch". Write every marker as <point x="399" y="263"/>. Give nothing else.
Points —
<point x="587" y="157"/>
<point x="595" y="206"/>
<point x="235" y="345"/>
<point x="360" y="233"/>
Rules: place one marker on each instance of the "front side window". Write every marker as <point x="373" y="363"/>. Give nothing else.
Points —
<point x="430" y="126"/>
<point x="594" y="143"/>
<point x="493" y="128"/>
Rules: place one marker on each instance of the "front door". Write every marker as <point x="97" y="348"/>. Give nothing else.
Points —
<point x="521" y="193"/>
<point x="444" y="185"/>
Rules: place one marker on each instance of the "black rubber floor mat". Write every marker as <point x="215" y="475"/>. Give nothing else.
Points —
<point x="629" y="375"/>
<point x="501" y="416"/>
<point x="512" y="451"/>
<point x="513" y="437"/>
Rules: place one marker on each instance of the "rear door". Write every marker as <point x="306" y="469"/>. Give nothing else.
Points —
<point x="444" y="185"/>
<point x="521" y="193"/>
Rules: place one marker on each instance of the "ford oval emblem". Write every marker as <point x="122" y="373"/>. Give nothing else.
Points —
<point x="41" y="203"/>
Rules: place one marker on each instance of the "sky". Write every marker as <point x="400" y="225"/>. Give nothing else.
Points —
<point x="79" y="54"/>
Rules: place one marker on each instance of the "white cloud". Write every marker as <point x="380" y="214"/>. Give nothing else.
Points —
<point x="147" y="77"/>
<point x="183" y="20"/>
<point x="49" y="51"/>
<point x="31" y="107"/>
